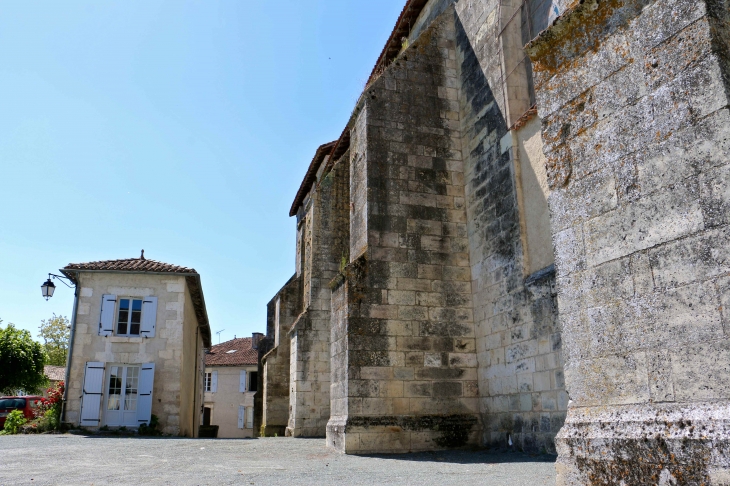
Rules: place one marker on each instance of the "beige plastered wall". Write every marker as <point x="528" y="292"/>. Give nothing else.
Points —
<point x="225" y="401"/>
<point x="167" y="349"/>
<point x="191" y="390"/>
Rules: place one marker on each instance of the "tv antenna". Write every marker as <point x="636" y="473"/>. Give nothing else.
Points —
<point x="219" y="335"/>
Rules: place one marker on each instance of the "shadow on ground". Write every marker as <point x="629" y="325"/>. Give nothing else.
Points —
<point x="472" y="456"/>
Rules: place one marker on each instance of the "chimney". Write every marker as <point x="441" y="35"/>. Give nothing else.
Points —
<point x="255" y="338"/>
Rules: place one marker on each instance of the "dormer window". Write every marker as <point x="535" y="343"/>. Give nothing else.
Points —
<point x="129" y="317"/>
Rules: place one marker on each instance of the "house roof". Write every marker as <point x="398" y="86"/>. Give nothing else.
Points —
<point x="55" y="373"/>
<point x="236" y="352"/>
<point x="392" y="48"/>
<point x="141" y="264"/>
<point x="311" y="175"/>
<point x="145" y="265"/>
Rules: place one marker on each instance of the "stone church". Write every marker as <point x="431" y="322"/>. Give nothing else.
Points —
<point x="521" y="239"/>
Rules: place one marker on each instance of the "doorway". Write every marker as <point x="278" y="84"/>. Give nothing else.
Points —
<point x="122" y="395"/>
<point x="206" y="416"/>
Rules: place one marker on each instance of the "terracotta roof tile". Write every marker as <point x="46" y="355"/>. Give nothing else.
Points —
<point x="55" y="373"/>
<point x="243" y="353"/>
<point x="130" y="265"/>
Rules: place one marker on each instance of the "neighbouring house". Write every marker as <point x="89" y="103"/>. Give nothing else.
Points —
<point x="137" y="345"/>
<point x="231" y="381"/>
<point x="55" y="375"/>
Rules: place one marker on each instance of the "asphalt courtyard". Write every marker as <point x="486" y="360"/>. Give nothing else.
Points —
<point x="94" y="460"/>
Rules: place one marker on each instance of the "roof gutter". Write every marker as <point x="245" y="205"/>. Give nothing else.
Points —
<point x="71" y="272"/>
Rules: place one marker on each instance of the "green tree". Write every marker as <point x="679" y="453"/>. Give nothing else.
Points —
<point x="21" y="361"/>
<point x="55" y="333"/>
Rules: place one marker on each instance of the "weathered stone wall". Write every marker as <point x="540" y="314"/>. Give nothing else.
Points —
<point x="282" y="311"/>
<point x="410" y="348"/>
<point x="518" y="338"/>
<point x="633" y="96"/>
<point x="326" y="248"/>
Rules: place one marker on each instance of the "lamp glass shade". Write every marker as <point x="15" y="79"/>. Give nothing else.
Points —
<point x="47" y="288"/>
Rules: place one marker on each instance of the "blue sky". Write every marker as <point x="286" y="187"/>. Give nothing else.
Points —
<point x="180" y="127"/>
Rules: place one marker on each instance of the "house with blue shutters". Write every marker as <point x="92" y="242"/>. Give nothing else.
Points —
<point x="138" y="339"/>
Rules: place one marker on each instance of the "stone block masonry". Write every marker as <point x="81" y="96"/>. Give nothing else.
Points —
<point x="527" y="252"/>
<point x="274" y="366"/>
<point x="403" y="315"/>
<point x="519" y="345"/>
<point x="633" y="96"/>
<point x="324" y="246"/>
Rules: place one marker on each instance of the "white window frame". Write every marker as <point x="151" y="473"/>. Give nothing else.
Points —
<point x="129" y="316"/>
<point x="208" y="382"/>
<point x="249" y="418"/>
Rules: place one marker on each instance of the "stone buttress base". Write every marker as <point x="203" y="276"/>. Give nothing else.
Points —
<point x="663" y="444"/>
<point x="398" y="434"/>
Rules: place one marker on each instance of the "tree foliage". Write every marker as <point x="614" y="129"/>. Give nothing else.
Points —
<point x="55" y="333"/>
<point x="21" y="361"/>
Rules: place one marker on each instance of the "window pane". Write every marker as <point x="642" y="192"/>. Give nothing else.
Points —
<point x="136" y="317"/>
<point x="123" y="317"/>
<point x="115" y="388"/>
<point x="130" y="389"/>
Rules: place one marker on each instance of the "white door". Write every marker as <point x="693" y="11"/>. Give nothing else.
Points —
<point x="122" y="395"/>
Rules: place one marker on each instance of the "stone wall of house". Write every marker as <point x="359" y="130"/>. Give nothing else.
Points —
<point x="403" y="312"/>
<point x="634" y="101"/>
<point x="192" y="369"/>
<point x="166" y="349"/>
<point x="282" y="311"/>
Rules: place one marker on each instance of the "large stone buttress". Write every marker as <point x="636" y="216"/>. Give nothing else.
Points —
<point x="634" y="101"/>
<point x="403" y="345"/>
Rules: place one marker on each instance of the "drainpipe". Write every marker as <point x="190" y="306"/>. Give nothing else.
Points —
<point x="77" y="289"/>
<point x="196" y="394"/>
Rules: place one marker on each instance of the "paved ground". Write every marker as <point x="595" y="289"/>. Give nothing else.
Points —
<point x="77" y="460"/>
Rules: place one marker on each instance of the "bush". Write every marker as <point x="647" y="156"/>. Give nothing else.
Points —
<point x="14" y="421"/>
<point x="150" y="429"/>
<point x="48" y="413"/>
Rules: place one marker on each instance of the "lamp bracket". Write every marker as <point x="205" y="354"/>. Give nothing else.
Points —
<point x="62" y="279"/>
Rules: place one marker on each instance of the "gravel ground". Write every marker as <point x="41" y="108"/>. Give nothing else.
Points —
<point x="93" y="460"/>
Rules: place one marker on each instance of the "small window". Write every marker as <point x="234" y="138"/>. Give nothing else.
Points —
<point x="208" y="381"/>
<point x="206" y="415"/>
<point x="129" y="317"/>
<point x="253" y="381"/>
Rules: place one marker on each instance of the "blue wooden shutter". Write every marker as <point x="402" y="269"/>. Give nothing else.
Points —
<point x="241" y="415"/>
<point x="106" y="320"/>
<point x="92" y="392"/>
<point x="149" y="317"/>
<point x="214" y="382"/>
<point x="242" y="385"/>
<point x="144" y="389"/>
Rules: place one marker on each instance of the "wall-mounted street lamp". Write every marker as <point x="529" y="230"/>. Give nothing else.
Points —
<point x="49" y="287"/>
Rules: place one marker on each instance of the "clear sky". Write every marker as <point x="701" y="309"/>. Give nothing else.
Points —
<point x="180" y="127"/>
